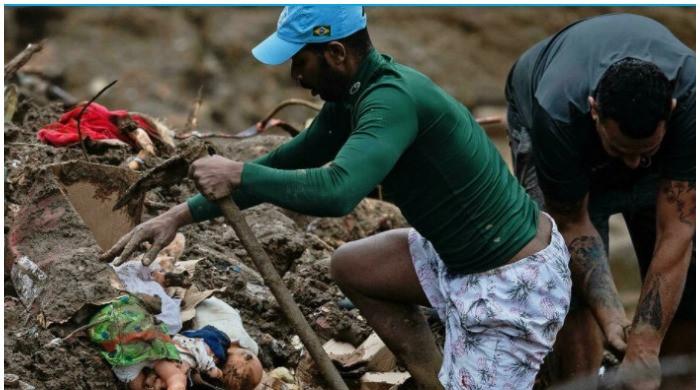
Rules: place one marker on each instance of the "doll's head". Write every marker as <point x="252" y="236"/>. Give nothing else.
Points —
<point x="243" y="370"/>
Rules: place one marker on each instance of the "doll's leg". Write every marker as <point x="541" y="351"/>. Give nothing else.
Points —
<point x="138" y="382"/>
<point x="172" y="373"/>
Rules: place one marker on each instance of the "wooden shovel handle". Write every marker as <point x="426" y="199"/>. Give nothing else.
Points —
<point x="284" y="297"/>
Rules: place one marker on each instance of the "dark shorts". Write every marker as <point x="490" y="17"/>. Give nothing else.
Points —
<point x="637" y="205"/>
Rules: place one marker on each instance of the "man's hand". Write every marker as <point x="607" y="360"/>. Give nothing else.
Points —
<point x="159" y="231"/>
<point x="215" y="176"/>
<point x="615" y="331"/>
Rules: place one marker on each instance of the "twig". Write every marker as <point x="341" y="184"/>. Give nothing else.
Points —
<point x="36" y="82"/>
<point x="61" y="94"/>
<point x="200" y="381"/>
<point x="205" y="135"/>
<point x="58" y="341"/>
<point x="155" y="205"/>
<point x="485" y="121"/>
<point x="80" y="116"/>
<point x="192" y="117"/>
<point x="290" y="102"/>
<point x="22" y="58"/>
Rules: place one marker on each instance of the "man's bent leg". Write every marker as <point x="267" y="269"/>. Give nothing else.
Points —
<point x="579" y="347"/>
<point x="377" y="274"/>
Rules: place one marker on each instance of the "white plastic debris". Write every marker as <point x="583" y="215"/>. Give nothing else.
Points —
<point x="28" y="280"/>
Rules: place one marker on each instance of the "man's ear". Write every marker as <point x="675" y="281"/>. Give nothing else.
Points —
<point x="674" y="102"/>
<point x="335" y="54"/>
<point x="594" y="108"/>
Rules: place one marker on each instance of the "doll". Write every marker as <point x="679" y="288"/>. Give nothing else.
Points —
<point x="200" y="351"/>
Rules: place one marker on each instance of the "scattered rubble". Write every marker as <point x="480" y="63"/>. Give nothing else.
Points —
<point x="205" y="51"/>
<point x="55" y="230"/>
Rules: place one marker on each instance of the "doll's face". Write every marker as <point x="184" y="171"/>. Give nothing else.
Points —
<point x="243" y="370"/>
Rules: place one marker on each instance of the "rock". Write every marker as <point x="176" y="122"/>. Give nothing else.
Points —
<point x="11" y="381"/>
<point x="278" y="234"/>
<point x="283" y="374"/>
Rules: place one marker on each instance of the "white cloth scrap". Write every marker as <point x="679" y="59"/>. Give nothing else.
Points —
<point x="137" y="279"/>
<point x="219" y="314"/>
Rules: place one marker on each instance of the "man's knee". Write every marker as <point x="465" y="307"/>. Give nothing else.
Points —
<point x="341" y="261"/>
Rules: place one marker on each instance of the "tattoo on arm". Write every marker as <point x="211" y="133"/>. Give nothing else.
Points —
<point x="649" y="310"/>
<point x="588" y="255"/>
<point x="681" y="194"/>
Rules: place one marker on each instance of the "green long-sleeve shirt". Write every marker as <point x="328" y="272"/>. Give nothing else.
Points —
<point x="395" y="127"/>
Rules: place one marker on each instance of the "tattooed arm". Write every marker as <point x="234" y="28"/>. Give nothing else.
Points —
<point x="590" y="272"/>
<point x="663" y="285"/>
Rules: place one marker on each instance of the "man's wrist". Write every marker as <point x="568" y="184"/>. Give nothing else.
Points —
<point x="643" y="340"/>
<point x="181" y="215"/>
<point x="236" y="176"/>
<point x="610" y="313"/>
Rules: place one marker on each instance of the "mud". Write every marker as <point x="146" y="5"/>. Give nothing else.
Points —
<point x="74" y="365"/>
<point x="161" y="56"/>
<point x="49" y="233"/>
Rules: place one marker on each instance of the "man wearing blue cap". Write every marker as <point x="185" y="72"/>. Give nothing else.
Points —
<point x="480" y="252"/>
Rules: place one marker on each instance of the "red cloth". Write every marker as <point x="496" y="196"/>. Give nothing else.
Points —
<point x="97" y="123"/>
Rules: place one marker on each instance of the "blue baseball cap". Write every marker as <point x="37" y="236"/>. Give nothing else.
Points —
<point x="299" y="25"/>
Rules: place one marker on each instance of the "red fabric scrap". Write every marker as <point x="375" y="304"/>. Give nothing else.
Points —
<point x="97" y="123"/>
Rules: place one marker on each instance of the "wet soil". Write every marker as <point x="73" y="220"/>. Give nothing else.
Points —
<point x="161" y="56"/>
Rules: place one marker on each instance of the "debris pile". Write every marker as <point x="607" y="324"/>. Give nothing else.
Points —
<point x="59" y="219"/>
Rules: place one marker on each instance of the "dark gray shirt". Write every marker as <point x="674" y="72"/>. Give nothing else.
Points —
<point x="549" y="88"/>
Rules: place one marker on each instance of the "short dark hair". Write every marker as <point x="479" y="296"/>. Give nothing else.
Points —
<point x="636" y="94"/>
<point x="357" y="42"/>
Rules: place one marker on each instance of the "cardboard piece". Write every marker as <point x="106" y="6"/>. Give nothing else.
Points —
<point x="383" y="380"/>
<point x="372" y="353"/>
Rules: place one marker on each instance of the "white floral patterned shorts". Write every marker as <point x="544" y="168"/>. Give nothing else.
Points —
<point x="499" y="324"/>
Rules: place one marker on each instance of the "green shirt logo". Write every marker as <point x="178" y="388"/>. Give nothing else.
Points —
<point x="322" y="31"/>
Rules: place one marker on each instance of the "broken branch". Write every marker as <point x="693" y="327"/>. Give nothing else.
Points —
<point x="22" y="58"/>
<point x="59" y="341"/>
<point x="290" y="102"/>
<point x="192" y="117"/>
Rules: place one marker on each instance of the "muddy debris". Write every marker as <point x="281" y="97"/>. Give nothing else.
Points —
<point x="196" y="47"/>
<point x="53" y="230"/>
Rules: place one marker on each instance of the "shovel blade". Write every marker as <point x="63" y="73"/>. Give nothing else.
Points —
<point x="247" y="133"/>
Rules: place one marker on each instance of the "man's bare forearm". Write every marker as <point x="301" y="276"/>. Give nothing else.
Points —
<point x="661" y="293"/>
<point x="590" y="271"/>
<point x="663" y="286"/>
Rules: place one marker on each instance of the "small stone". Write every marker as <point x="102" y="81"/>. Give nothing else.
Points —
<point x="11" y="381"/>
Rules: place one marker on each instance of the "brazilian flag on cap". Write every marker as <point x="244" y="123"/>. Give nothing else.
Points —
<point x="322" y="31"/>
